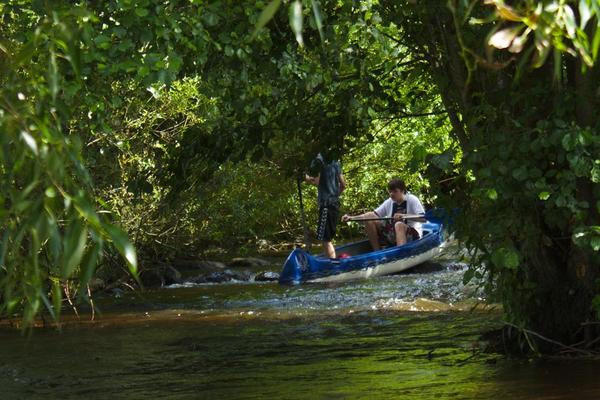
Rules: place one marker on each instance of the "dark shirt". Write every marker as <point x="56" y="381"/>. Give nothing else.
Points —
<point x="399" y="208"/>
<point x="329" y="184"/>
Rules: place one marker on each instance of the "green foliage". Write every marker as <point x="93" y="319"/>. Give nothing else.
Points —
<point x="566" y="26"/>
<point x="51" y="231"/>
<point x="70" y="138"/>
<point x="528" y="176"/>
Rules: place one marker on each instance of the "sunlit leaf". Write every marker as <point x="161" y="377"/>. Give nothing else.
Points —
<point x="541" y="55"/>
<point x="596" y="44"/>
<point x="296" y="20"/>
<point x="86" y="209"/>
<point x="585" y="13"/>
<point x="266" y="15"/>
<point x="544" y="195"/>
<point x="595" y="243"/>
<point x="517" y="44"/>
<point x="123" y="245"/>
<point x="569" y="18"/>
<point x="504" y="37"/>
<point x="318" y="18"/>
<point x="53" y="75"/>
<point x="30" y="141"/>
<point x="506" y="12"/>
<point x="56" y="298"/>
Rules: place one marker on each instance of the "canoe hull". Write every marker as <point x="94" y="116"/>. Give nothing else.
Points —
<point x="382" y="269"/>
<point x="301" y="266"/>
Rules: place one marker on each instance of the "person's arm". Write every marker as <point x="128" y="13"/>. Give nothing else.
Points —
<point x="313" y="180"/>
<point x="384" y="210"/>
<point x="342" y="183"/>
<point x="358" y="217"/>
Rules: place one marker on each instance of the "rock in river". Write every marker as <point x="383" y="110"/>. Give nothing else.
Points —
<point x="266" y="276"/>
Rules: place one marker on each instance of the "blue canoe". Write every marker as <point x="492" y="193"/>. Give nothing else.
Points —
<point x="362" y="262"/>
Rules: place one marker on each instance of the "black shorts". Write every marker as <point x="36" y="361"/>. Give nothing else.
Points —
<point x="328" y="219"/>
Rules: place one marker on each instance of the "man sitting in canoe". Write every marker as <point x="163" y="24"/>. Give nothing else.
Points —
<point x="387" y="222"/>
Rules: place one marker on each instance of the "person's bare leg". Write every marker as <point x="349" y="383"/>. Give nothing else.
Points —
<point x="329" y="249"/>
<point x="372" y="234"/>
<point x="400" y="229"/>
<point x="372" y="230"/>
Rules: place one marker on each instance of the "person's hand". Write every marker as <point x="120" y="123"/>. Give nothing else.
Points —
<point x="345" y="218"/>
<point x="397" y="217"/>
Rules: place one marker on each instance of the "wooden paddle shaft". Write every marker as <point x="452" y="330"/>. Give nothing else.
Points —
<point x="407" y="216"/>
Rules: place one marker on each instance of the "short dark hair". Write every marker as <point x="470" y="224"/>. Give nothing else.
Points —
<point x="396" y="184"/>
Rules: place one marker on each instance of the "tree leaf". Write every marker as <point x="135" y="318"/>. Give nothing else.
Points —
<point x="123" y="246"/>
<point x="141" y="12"/>
<point x="3" y="247"/>
<point x="74" y="245"/>
<point x="517" y="44"/>
<point x="88" y="266"/>
<point x="318" y="18"/>
<point x="505" y="257"/>
<point x="506" y="12"/>
<point x="53" y="74"/>
<point x="569" y="19"/>
<point x="469" y="274"/>
<point x="544" y="195"/>
<point x="25" y="54"/>
<point x="56" y="298"/>
<point x="504" y="37"/>
<point x="54" y="240"/>
<point x="86" y="210"/>
<point x="296" y="20"/>
<point x="596" y="44"/>
<point x="266" y="15"/>
<point x="29" y="141"/>
<point x="595" y="243"/>
<point x="585" y="13"/>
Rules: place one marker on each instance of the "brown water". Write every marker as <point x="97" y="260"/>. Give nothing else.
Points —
<point x="409" y="336"/>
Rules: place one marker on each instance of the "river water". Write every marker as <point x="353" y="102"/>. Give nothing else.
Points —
<point x="411" y="336"/>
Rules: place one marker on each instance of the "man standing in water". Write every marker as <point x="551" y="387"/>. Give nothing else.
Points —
<point x="330" y="182"/>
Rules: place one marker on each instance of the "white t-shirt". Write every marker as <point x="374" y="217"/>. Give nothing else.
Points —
<point x="413" y="206"/>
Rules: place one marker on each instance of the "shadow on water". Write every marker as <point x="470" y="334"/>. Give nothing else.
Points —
<point x="409" y="336"/>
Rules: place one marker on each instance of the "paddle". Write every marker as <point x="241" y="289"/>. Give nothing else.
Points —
<point x="415" y="216"/>
<point x="435" y="215"/>
<point x="307" y="241"/>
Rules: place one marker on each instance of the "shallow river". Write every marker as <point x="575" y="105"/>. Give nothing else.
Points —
<point x="409" y="336"/>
